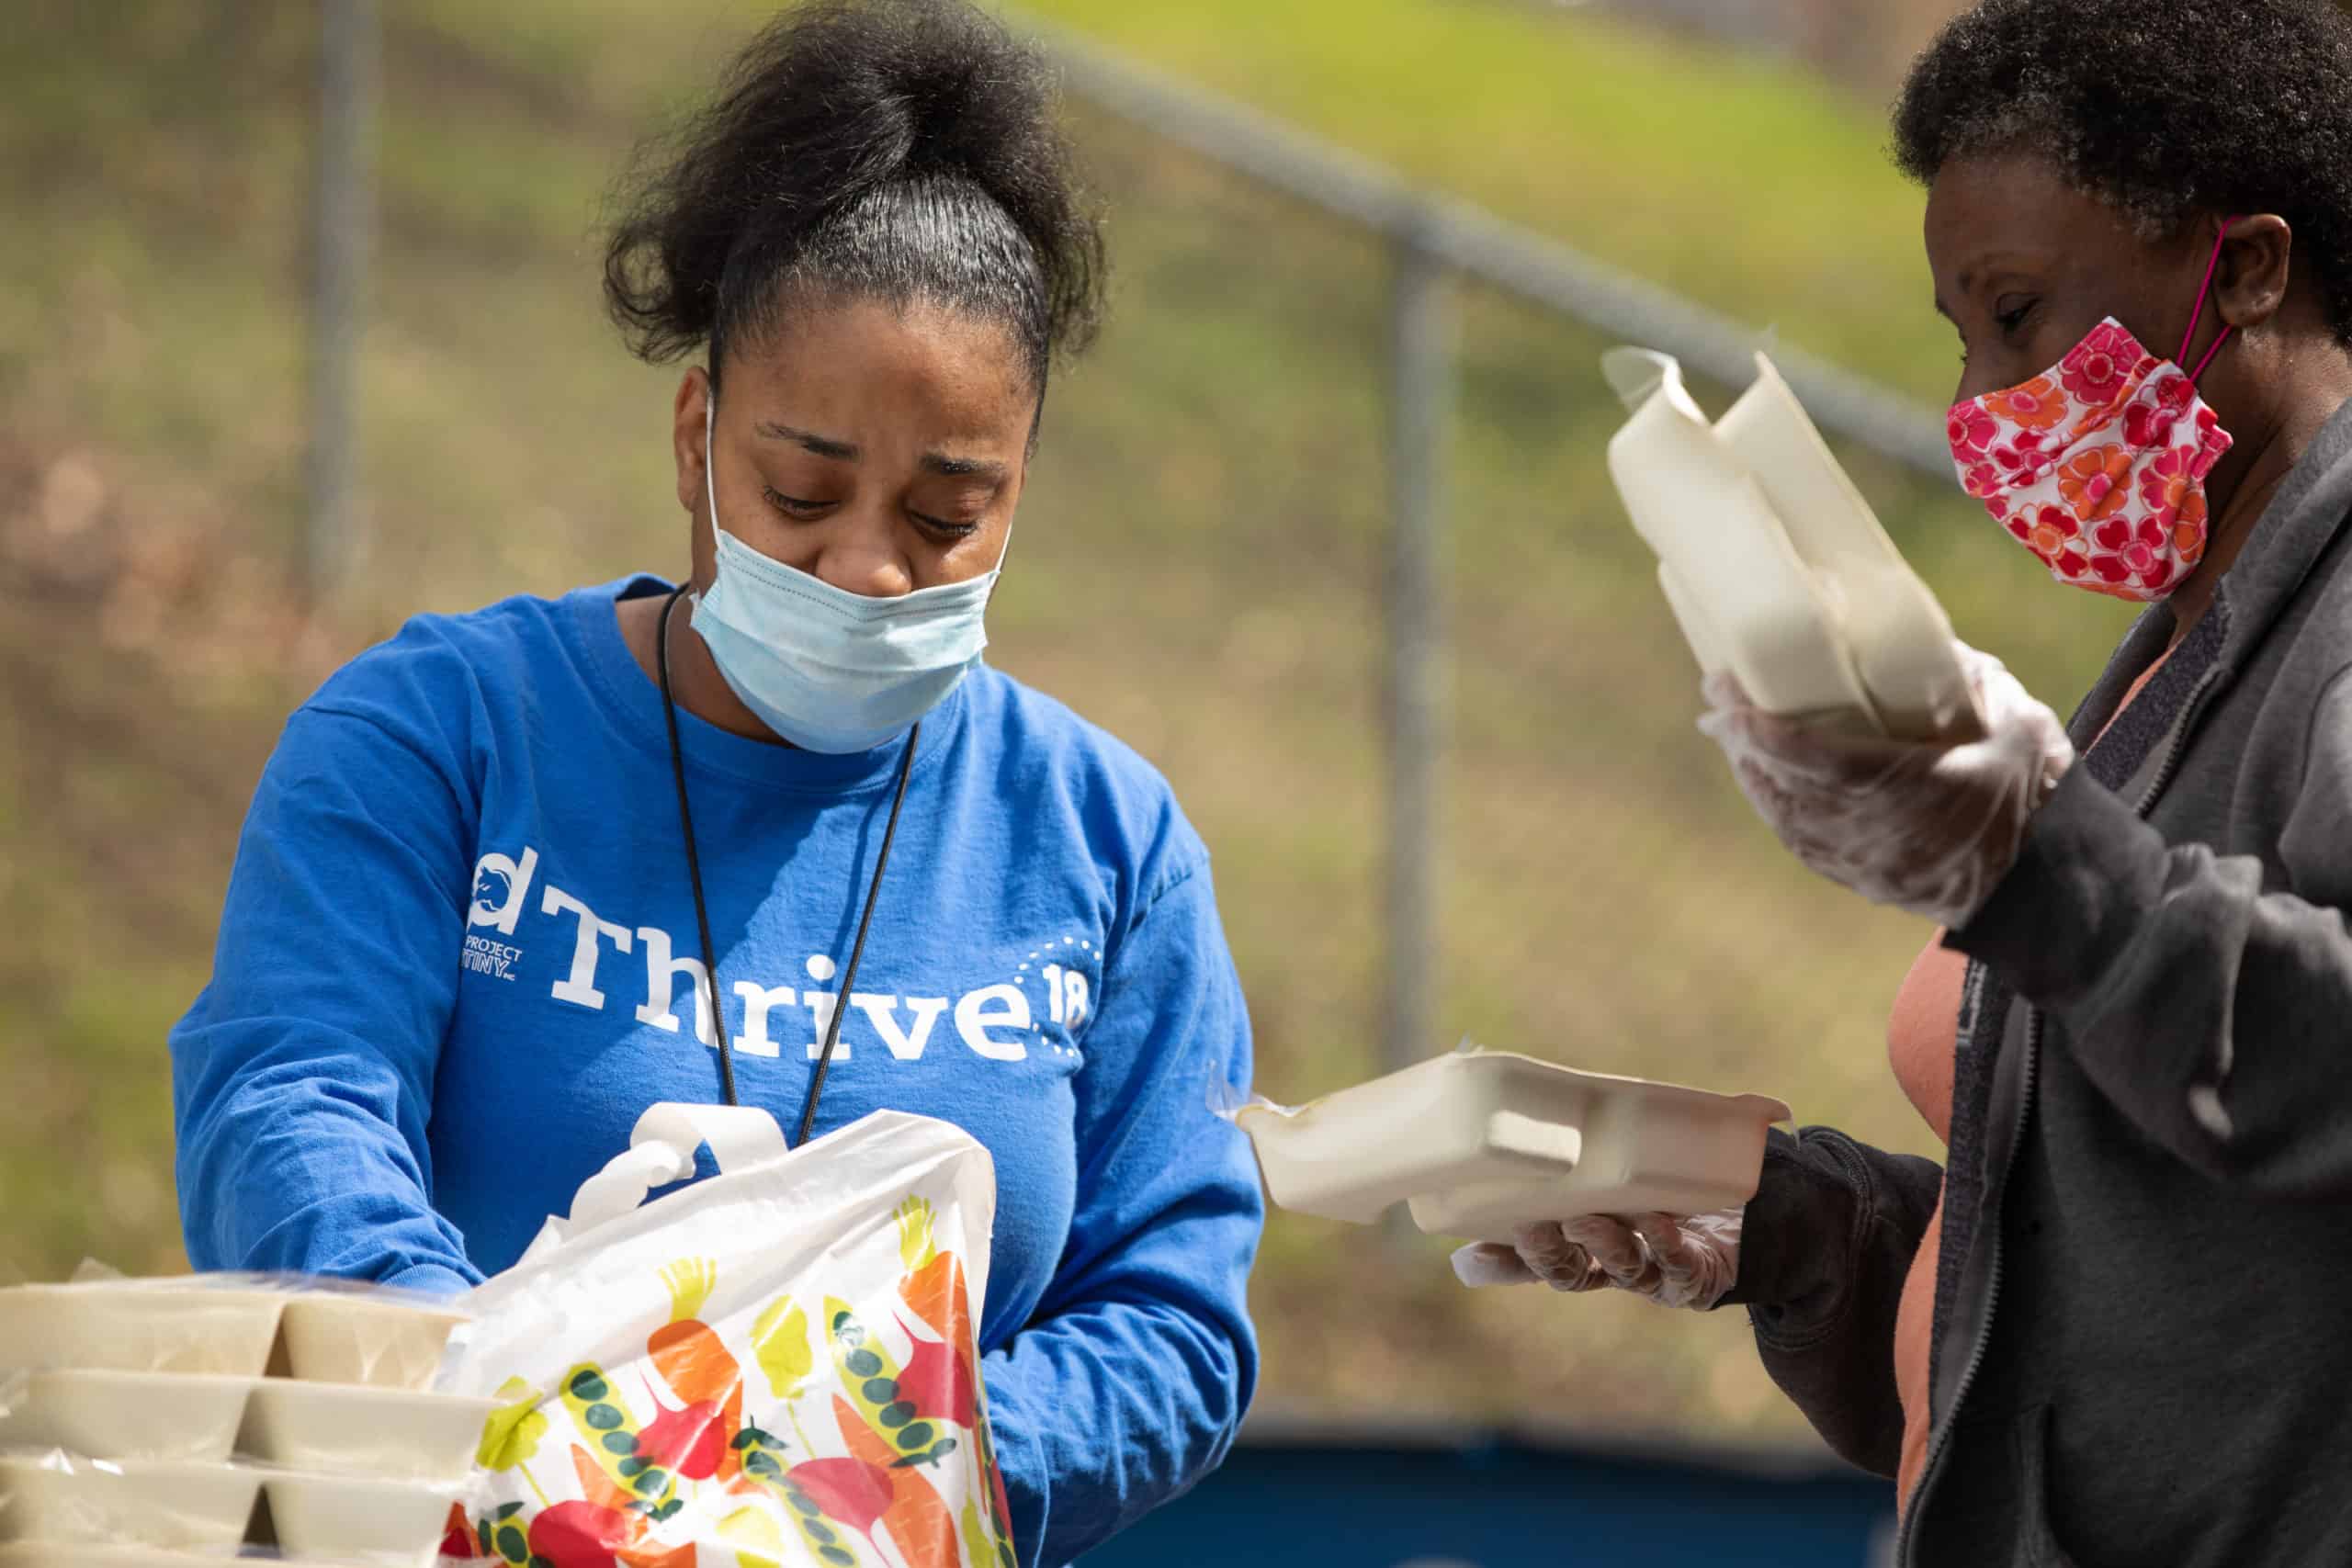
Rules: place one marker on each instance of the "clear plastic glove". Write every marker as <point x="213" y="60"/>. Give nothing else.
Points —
<point x="1927" y="827"/>
<point x="1674" y="1262"/>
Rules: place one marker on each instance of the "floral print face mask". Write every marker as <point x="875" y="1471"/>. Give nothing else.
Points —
<point x="2097" y="466"/>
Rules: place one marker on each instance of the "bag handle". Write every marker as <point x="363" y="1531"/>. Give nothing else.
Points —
<point x="660" y="1151"/>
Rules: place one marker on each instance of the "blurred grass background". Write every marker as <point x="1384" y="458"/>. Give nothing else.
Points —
<point x="1200" y="568"/>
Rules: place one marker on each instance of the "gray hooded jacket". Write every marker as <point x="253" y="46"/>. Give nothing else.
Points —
<point x="2140" y="1353"/>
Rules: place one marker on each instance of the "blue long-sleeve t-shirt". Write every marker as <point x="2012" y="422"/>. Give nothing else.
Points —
<point x="459" y="958"/>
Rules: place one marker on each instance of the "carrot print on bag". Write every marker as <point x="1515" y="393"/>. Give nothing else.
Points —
<point x="859" y="1441"/>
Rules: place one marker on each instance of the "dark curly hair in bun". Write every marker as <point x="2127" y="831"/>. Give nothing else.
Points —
<point x="2162" y="109"/>
<point x="900" y="150"/>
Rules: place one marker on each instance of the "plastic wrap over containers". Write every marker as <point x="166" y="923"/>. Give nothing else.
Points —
<point x="154" y="1423"/>
<point x="776" y="1365"/>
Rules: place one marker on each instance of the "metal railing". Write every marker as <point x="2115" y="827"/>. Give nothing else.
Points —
<point x="342" y="221"/>
<point x="1466" y="239"/>
<point x="1435" y="238"/>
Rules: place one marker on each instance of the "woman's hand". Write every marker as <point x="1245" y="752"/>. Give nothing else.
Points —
<point x="1927" y="827"/>
<point x="1676" y="1262"/>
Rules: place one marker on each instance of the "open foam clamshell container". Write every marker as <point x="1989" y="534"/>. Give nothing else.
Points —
<point x="1478" y="1142"/>
<point x="1774" y="564"/>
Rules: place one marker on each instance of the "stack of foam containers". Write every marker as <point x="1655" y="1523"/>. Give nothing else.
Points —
<point x="166" y="1423"/>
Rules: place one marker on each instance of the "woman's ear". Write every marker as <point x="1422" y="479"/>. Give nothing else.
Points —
<point x="2250" y="284"/>
<point x="688" y="436"/>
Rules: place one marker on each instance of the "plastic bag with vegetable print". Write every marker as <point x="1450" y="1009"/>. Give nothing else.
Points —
<point x="772" y="1366"/>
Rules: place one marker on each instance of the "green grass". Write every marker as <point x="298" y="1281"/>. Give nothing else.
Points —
<point x="1200" y="569"/>
<point x="1722" y="175"/>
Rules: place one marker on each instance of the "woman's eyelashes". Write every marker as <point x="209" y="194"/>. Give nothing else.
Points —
<point x="944" y="528"/>
<point x="2014" y="317"/>
<point x="794" y="506"/>
<point x="805" y="509"/>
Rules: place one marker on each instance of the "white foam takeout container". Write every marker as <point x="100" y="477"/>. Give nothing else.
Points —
<point x="190" y="1417"/>
<point x="190" y="1506"/>
<point x="384" y="1433"/>
<point x="1478" y="1142"/>
<point x="1774" y="564"/>
<point x="139" y="1326"/>
<point x="338" y="1336"/>
<point x="84" y="1554"/>
<point x="346" y="1519"/>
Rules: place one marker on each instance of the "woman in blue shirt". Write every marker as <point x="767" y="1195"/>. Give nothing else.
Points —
<point x="466" y="935"/>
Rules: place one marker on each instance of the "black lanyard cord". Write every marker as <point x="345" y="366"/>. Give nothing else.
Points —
<point x="702" y="912"/>
<point x="693" y="862"/>
<point x="857" y="948"/>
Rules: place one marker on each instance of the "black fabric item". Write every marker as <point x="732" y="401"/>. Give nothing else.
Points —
<point x="1823" y="1315"/>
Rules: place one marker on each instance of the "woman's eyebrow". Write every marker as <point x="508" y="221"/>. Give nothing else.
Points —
<point x="1989" y="265"/>
<point x="823" y="446"/>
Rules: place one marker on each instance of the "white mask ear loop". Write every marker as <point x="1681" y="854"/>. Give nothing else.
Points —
<point x="710" y="485"/>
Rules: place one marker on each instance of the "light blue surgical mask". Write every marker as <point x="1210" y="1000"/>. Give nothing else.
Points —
<point x="827" y="669"/>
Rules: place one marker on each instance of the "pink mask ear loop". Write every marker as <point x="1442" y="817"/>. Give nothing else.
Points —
<point x="2212" y="265"/>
